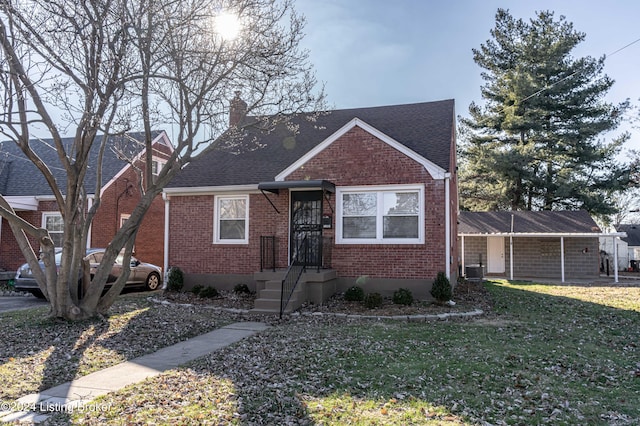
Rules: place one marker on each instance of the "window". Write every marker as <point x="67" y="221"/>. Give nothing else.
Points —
<point x="156" y="166"/>
<point x="231" y="219"/>
<point x="123" y="218"/>
<point x="53" y="223"/>
<point x="380" y="215"/>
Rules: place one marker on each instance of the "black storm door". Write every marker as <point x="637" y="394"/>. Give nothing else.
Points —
<point x="306" y="221"/>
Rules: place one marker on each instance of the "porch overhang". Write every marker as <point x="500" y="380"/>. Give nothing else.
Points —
<point x="22" y="203"/>
<point x="276" y="186"/>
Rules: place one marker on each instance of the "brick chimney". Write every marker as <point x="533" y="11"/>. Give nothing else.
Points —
<point x="237" y="110"/>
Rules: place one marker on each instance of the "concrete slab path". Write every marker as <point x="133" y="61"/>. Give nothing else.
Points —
<point x="35" y="408"/>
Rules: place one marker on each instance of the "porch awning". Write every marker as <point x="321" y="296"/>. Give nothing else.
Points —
<point x="275" y="187"/>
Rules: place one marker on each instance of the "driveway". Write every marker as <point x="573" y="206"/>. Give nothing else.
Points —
<point x="16" y="303"/>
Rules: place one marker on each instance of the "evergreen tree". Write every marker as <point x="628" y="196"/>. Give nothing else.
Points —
<point x="537" y="142"/>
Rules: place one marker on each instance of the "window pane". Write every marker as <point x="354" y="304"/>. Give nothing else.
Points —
<point x="232" y="229"/>
<point x="400" y="203"/>
<point x="359" y="227"/>
<point x="54" y="224"/>
<point x="232" y="209"/>
<point x="400" y="227"/>
<point x="56" y="237"/>
<point x="364" y="204"/>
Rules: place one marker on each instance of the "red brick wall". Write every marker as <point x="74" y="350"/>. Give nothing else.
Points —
<point x="191" y="244"/>
<point x="357" y="158"/>
<point x="149" y="245"/>
<point x="10" y="255"/>
<point x="118" y="200"/>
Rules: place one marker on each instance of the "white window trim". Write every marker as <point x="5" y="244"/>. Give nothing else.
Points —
<point x="160" y="164"/>
<point x="45" y="215"/>
<point x="216" y="222"/>
<point x="380" y="189"/>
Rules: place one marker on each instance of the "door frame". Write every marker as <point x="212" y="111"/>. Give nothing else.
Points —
<point x="495" y="255"/>
<point x="314" y="228"/>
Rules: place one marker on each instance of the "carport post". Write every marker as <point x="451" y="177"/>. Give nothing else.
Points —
<point x="615" y="260"/>
<point x="562" y="256"/>
<point x="511" y="257"/>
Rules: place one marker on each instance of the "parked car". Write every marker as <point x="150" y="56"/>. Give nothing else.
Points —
<point x="143" y="275"/>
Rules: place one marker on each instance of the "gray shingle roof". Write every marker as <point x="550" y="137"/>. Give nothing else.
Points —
<point x="426" y="128"/>
<point x="20" y="177"/>
<point x="633" y="234"/>
<point x="578" y="221"/>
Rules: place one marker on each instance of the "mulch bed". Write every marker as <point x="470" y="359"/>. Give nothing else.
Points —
<point x="468" y="296"/>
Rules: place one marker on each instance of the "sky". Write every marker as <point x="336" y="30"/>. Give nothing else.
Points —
<point x="381" y="52"/>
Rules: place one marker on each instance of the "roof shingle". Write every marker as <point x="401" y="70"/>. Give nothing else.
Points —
<point x="578" y="221"/>
<point x="20" y="177"/>
<point x="425" y="128"/>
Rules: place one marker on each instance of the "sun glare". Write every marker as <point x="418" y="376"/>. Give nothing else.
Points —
<point x="227" y="25"/>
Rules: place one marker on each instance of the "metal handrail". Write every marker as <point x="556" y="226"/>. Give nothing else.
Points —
<point x="292" y="277"/>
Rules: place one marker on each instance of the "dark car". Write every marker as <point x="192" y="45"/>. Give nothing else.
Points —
<point x="142" y="274"/>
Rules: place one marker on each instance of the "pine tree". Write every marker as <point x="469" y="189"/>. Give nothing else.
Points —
<point x="537" y="142"/>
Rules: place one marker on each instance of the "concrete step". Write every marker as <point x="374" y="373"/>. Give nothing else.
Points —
<point x="275" y="294"/>
<point x="272" y="305"/>
<point x="273" y="285"/>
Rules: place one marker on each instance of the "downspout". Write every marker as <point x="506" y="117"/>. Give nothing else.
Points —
<point x="89" y="205"/>
<point x="464" y="270"/>
<point x="447" y="223"/>
<point x="166" y="236"/>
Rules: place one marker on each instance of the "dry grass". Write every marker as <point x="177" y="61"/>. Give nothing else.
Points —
<point x="545" y="355"/>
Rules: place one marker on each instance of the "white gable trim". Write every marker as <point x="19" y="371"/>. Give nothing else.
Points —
<point x="434" y="170"/>
<point x="161" y="138"/>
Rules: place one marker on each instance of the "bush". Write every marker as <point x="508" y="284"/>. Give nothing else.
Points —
<point x="441" y="288"/>
<point x="402" y="296"/>
<point x="354" y="294"/>
<point x="208" y="293"/>
<point x="197" y="289"/>
<point x="373" y="300"/>
<point x="241" y="289"/>
<point x="175" y="279"/>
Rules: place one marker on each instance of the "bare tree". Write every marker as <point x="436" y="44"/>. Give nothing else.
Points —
<point x="108" y="67"/>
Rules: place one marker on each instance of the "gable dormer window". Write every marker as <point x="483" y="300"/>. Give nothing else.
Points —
<point x="156" y="166"/>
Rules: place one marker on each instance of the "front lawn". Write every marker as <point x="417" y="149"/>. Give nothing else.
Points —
<point x="546" y="355"/>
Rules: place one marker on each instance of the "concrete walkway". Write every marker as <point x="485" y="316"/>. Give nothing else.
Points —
<point x="68" y="396"/>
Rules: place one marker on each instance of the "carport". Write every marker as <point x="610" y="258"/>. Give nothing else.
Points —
<point x="541" y="244"/>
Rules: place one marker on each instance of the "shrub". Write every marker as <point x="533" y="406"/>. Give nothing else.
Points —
<point x="208" y="293"/>
<point x="175" y="279"/>
<point x="373" y="300"/>
<point x="402" y="296"/>
<point x="241" y="289"/>
<point x="441" y="288"/>
<point x="197" y="289"/>
<point x="354" y="294"/>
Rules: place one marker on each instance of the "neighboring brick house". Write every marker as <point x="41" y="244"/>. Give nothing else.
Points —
<point x="531" y="244"/>
<point x="373" y="190"/>
<point x="26" y="190"/>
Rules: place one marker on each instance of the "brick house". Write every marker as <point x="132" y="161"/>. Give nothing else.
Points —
<point x="531" y="244"/>
<point x="26" y="190"/>
<point x="370" y="194"/>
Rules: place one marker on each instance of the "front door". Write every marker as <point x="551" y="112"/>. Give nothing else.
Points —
<point x="306" y="221"/>
<point x="495" y="255"/>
